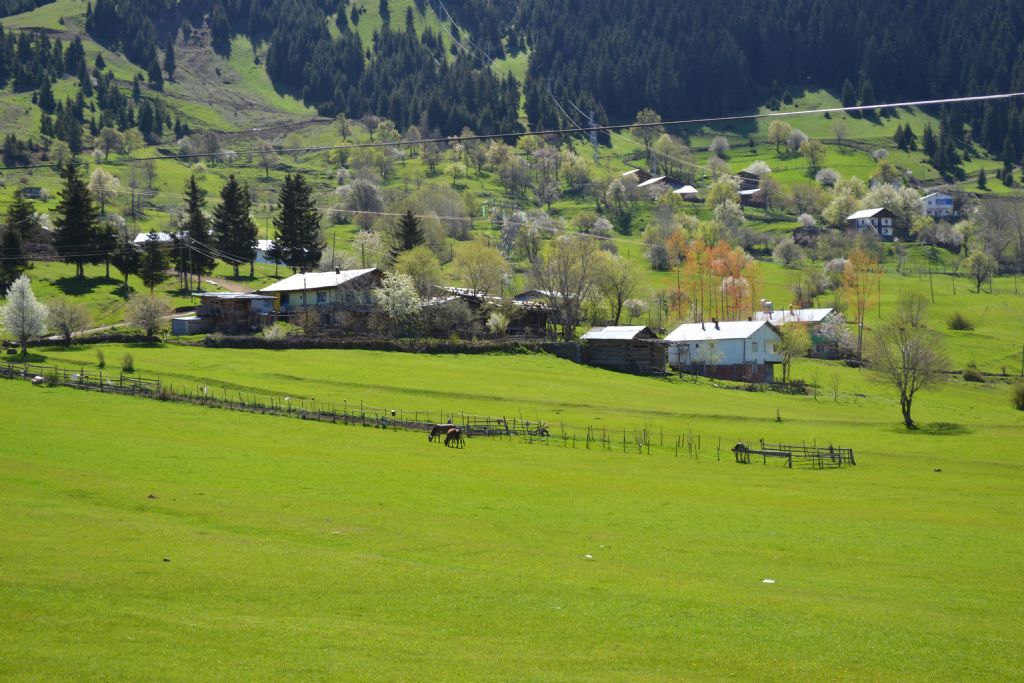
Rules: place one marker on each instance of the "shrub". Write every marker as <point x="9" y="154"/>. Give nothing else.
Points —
<point x="101" y="360"/>
<point x="972" y="374"/>
<point x="959" y="322"/>
<point x="279" y="330"/>
<point x="787" y="253"/>
<point x="497" y="323"/>
<point x="127" y="363"/>
<point x="1018" y="396"/>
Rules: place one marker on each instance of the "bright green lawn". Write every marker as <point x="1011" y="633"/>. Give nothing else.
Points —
<point x="142" y="540"/>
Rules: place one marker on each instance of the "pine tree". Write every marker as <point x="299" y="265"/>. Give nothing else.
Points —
<point x="982" y="180"/>
<point x="169" y="61"/>
<point x="156" y="76"/>
<point x="45" y="97"/>
<point x="407" y="235"/>
<point x="849" y="94"/>
<point x="125" y="258"/>
<point x="14" y="261"/>
<point x="385" y="12"/>
<point x="21" y="217"/>
<point x="234" y="231"/>
<point x="195" y="233"/>
<point x="928" y="143"/>
<point x="297" y="225"/>
<point x="152" y="262"/>
<point x="77" y="236"/>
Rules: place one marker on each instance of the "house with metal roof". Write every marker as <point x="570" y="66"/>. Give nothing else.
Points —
<point x="332" y="291"/>
<point x="811" y="318"/>
<point x="230" y="312"/>
<point x="627" y="348"/>
<point x="938" y="205"/>
<point x="880" y="221"/>
<point x="744" y="351"/>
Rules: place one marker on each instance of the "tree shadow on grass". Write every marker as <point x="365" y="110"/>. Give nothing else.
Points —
<point x="27" y="358"/>
<point x="124" y="291"/>
<point x="73" y="286"/>
<point x="936" y="429"/>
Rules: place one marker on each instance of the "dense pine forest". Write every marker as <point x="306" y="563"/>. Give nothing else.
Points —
<point x="681" y="59"/>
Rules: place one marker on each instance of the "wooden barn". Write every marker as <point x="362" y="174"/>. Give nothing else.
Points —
<point x="229" y="312"/>
<point x="627" y="348"/>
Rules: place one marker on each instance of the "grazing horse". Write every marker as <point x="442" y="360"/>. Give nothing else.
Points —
<point x="454" y="435"/>
<point x="437" y="431"/>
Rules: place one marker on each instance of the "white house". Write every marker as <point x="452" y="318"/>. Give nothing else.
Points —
<point x="744" y="350"/>
<point x="938" y="205"/>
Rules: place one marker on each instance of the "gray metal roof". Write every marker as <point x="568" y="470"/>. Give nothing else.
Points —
<point x="231" y="295"/>
<point x="301" y="281"/>
<point x="623" y="332"/>
<point x="742" y="329"/>
<point x="796" y="315"/>
<point x="864" y="213"/>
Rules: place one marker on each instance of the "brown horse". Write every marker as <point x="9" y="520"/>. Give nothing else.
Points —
<point x="437" y="431"/>
<point x="454" y="435"/>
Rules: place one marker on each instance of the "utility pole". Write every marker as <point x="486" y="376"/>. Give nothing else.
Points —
<point x="593" y="134"/>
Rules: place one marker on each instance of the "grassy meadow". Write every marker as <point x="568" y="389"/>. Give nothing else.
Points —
<point x="147" y="540"/>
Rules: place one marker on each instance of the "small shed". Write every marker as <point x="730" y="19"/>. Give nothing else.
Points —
<point x="627" y="348"/>
<point x="234" y="312"/>
<point x="190" y="324"/>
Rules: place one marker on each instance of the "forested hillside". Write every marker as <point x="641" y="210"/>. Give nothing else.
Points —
<point x="682" y="59"/>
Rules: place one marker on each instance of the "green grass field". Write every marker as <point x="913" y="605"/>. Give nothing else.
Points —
<point x="147" y="540"/>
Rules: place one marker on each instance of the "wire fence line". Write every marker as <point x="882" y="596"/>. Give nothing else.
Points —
<point x="646" y="440"/>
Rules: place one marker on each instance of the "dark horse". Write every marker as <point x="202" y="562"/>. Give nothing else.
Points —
<point x="437" y="431"/>
<point x="454" y="435"/>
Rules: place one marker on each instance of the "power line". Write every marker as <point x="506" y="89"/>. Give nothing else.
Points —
<point x="563" y="131"/>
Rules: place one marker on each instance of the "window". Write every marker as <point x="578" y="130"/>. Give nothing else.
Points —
<point x="321" y="297"/>
<point x="284" y="298"/>
<point x="753" y="346"/>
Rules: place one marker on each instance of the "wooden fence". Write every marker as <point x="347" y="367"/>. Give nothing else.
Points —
<point x="642" y="440"/>
<point x="799" y="455"/>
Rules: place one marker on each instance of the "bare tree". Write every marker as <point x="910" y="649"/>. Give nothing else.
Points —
<point x="567" y="274"/>
<point x="996" y="227"/>
<point x="149" y="171"/>
<point x="906" y="354"/>
<point x="148" y="311"/>
<point x="861" y="274"/>
<point x="980" y="267"/>
<point x="268" y="156"/>
<point x="68" y="317"/>
<point x="618" y="281"/>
